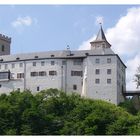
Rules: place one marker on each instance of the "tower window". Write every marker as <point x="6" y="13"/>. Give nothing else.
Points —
<point x="97" y="60"/>
<point x="42" y="63"/>
<point x="97" y="81"/>
<point x="97" y="71"/>
<point x="13" y="65"/>
<point x="52" y="62"/>
<point x="34" y="63"/>
<point x="108" y="71"/>
<point x="63" y="62"/>
<point x="108" y="81"/>
<point x="103" y="45"/>
<point x="6" y="66"/>
<point x="108" y="60"/>
<point x="20" y="64"/>
<point x="2" y="48"/>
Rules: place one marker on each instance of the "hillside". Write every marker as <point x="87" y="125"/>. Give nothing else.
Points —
<point x="52" y="112"/>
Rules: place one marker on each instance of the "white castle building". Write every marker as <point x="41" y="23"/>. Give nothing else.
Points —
<point x="97" y="73"/>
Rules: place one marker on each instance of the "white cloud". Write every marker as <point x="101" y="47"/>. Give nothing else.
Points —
<point x="125" y="40"/>
<point x="132" y="65"/>
<point x="86" y="44"/>
<point x="125" y="35"/>
<point x="22" y="21"/>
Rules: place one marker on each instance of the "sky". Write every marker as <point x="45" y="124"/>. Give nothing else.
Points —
<point x="38" y="28"/>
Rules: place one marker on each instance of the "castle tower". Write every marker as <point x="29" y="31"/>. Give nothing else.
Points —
<point x="100" y="41"/>
<point x="5" y="42"/>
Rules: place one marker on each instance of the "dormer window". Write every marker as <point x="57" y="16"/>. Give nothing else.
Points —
<point x="36" y="56"/>
<point x="17" y="58"/>
<point x="52" y="55"/>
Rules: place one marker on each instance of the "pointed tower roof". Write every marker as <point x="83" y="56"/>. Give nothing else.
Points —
<point x="100" y="39"/>
<point x="101" y="35"/>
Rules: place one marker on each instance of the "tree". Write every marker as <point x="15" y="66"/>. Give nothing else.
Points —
<point x="128" y="105"/>
<point x="137" y="77"/>
<point x="53" y="112"/>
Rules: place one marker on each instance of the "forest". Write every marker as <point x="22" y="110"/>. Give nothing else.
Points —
<point x="53" y="112"/>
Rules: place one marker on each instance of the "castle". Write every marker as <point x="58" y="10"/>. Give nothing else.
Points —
<point x="97" y="73"/>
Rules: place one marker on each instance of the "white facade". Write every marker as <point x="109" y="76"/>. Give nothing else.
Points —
<point x="97" y="73"/>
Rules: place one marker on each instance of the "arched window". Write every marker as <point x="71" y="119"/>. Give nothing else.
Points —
<point x="2" y="48"/>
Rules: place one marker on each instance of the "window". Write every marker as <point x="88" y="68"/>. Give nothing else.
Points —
<point x="103" y="45"/>
<point x="63" y="62"/>
<point x="17" y="58"/>
<point x="5" y="75"/>
<point x="108" y="60"/>
<point x="42" y="63"/>
<point x="36" y="56"/>
<point x="34" y="74"/>
<point x="42" y="73"/>
<point x="77" y="62"/>
<point x="97" y="71"/>
<point x="52" y="73"/>
<point x="97" y="81"/>
<point x="6" y="66"/>
<point x="74" y="87"/>
<point x="37" y="88"/>
<point x="34" y="63"/>
<point x="13" y="65"/>
<point x="18" y="89"/>
<point x="20" y="64"/>
<point x="97" y="60"/>
<point x="52" y="62"/>
<point x="20" y="75"/>
<point x="108" y="71"/>
<point x="76" y="73"/>
<point x="108" y="81"/>
<point x="12" y="75"/>
<point x="52" y="55"/>
<point x="2" y="48"/>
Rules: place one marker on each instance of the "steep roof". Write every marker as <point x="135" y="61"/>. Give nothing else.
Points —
<point x="101" y="35"/>
<point x="100" y="38"/>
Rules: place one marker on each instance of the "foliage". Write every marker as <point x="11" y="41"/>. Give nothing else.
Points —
<point x="137" y="77"/>
<point x="129" y="106"/>
<point x="53" y="112"/>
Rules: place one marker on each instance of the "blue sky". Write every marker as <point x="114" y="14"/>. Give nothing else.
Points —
<point x="52" y="27"/>
<point x="38" y="28"/>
